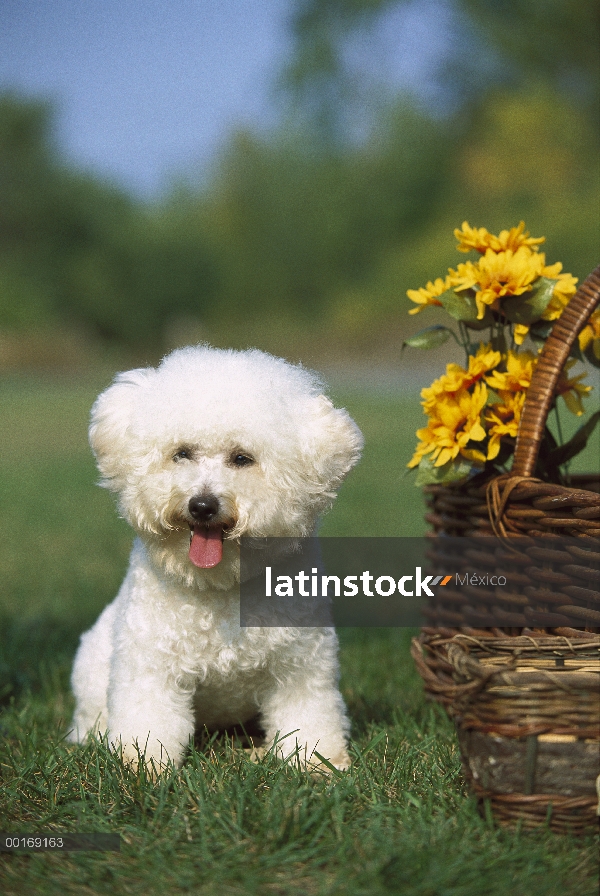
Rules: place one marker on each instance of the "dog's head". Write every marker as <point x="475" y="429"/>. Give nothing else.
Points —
<point x="220" y="444"/>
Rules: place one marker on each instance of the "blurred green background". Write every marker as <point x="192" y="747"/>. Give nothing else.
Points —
<point x="304" y="240"/>
<point x="301" y="241"/>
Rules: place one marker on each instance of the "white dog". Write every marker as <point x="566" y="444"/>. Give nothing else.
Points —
<point x="210" y="446"/>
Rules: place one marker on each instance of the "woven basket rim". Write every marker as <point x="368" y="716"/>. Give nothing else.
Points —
<point x="552" y="359"/>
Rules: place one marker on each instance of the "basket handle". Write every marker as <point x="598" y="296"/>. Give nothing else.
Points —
<point x="545" y="376"/>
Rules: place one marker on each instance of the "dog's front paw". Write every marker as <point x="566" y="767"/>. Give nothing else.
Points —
<point x="255" y="754"/>
<point x="314" y="763"/>
<point x="341" y="762"/>
<point x="134" y="758"/>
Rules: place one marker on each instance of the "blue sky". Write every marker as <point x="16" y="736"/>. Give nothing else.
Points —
<point x="149" y="88"/>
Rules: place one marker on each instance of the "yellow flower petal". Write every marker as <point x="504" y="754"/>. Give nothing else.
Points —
<point x="591" y="333"/>
<point x="518" y="373"/>
<point x="572" y="390"/>
<point x="477" y="457"/>
<point x="427" y="295"/>
<point x="481" y="239"/>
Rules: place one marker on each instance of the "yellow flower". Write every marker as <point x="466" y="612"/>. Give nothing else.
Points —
<point x="565" y="287"/>
<point x="520" y="332"/>
<point x="427" y="295"/>
<point x="499" y="274"/>
<point x="517" y="376"/>
<point x="591" y="333"/>
<point x="503" y="420"/>
<point x="481" y="239"/>
<point x="509" y="266"/>
<point x="454" y="422"/>
<point x="456" y="377"/>
<point x="572" y="390"/>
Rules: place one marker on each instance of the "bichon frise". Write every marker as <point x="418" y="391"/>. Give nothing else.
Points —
<point x="210" y="446"/>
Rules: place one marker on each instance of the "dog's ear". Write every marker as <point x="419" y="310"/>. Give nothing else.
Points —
<point x="110" y="424"/>
<point x="334" y="442"/>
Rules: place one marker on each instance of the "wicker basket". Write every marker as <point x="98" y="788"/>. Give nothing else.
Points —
<point x="525" y="691"/>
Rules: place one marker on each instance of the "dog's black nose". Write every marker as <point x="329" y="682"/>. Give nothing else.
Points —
<point x="203" y="507"/>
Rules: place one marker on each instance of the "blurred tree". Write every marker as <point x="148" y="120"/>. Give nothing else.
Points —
<point x="531" y="154"/>
<point x="316" y="76"/>
<point x="523" y="145"/>
<point x="528" y="154"/>
<point x="311" y="227"/>
<point x="296" y="222"/>
<point x="26" y="204"/>
<point x="76" y="251"/>
<point x="49" y="220"/>
<point x="553" y="41"/>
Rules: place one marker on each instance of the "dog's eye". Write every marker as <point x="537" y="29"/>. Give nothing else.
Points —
<point x="182" y="454"/>
<point x="238" y="459"/>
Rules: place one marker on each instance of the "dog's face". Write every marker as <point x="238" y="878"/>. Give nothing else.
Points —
<point x="217" y="444"/>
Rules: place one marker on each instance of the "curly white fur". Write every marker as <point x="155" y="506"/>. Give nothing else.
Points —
<point x="256" y="435"/>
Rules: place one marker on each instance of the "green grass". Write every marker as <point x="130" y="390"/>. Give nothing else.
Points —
<point x="400" y="821"/>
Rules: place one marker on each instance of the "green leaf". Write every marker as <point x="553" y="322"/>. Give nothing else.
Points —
<point x="462" y="306"/>
<point x="540" y="330"/>
<point x="486" y="321"/>
<point x="575" y="445"/>
<point x="529" y="307"/>
<point x="590" y="355"/>
<point x="430" y="337"/>
<point x="577" y="353"/>
<point x="454" y="471"/>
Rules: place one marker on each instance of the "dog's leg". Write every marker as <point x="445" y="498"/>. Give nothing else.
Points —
<point x="150" y="709"/>
<point x="303" y="723"/>
<point x="89" y="679"/>
<point x="306" y="712"/>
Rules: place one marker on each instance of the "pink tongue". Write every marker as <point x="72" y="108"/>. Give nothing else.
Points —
<point x="206" y="548"/>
